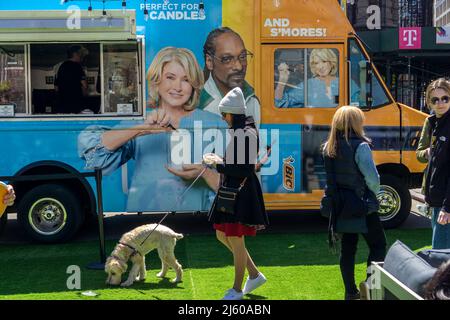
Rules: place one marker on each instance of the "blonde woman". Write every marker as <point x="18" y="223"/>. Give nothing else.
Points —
<point x="323" y="87"/>
<point x="437" y="175"/>
<point x="174" y="81"/>
<point x="348" y="162"/>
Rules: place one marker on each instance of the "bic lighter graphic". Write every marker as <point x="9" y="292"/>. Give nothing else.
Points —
<point x="288" y="174"/>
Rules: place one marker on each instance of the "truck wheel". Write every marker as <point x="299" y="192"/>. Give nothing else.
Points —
<point x="50" y="213"/>
<point x="395" y="201"/>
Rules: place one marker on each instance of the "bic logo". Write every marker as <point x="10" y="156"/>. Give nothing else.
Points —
<point x="410" y="38"/>
<point x="288" y="174"/>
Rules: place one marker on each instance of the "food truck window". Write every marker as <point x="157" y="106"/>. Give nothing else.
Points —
<point x="306" y="78"/>
<point x="12" y="79"/>
<point x="358" y="85"/>
<point x="64" y="78"/>
<point x="120" y="69"/>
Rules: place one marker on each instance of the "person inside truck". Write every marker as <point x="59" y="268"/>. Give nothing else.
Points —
<point x="174" y="81"/>
<point x="322" y="86"/>
<point x="226" y="60"/>
<point x="70" y="83"/>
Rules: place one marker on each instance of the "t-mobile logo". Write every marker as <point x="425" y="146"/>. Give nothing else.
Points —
<point x="410" y="38"/>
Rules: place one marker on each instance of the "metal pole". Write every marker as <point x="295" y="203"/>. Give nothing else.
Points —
<point x="388" y="75"/>
<point x="101" y="233"/>
<point x="410" y="84"/>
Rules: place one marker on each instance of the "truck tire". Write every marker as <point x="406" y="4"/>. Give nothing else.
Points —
<point x="395" y="201"/>
<point x="50" y="213"/>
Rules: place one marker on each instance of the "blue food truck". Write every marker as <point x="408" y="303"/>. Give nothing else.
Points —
<point x="121" y="39"/>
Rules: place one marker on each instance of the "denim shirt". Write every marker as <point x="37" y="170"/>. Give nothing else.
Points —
<point x="317" y="95"/>
<point x="153" y="187"/>
<point x="366" y="165"/>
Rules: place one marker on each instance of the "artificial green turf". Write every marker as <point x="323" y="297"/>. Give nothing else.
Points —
<point x="297" y="266"/>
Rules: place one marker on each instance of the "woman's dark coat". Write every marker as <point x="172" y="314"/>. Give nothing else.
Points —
<point x="250" y="208"/>
<point x="437" y="183"/>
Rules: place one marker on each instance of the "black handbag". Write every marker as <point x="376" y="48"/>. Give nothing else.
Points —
<point x="226" y="198"/>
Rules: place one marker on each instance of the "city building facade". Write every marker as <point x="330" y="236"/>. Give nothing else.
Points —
<point x="441" y="13"/>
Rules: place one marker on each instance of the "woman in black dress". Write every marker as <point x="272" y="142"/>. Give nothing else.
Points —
<point x="238" y="170"/>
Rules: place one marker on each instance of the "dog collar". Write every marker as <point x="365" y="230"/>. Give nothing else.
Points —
<point x="118" y="258"/>
<point x="135" y="251"/>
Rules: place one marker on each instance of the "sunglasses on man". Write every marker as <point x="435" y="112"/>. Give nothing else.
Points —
<point x="228" y="59"/>
<point x="444" y="99"/>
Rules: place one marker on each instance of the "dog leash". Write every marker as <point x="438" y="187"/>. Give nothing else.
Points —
<point x="178" y="201"/>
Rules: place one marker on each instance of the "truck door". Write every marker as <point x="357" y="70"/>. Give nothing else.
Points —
<point x="303" y="84"/>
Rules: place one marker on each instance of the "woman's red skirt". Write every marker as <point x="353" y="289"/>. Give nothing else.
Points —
<point x="235" y="229"/>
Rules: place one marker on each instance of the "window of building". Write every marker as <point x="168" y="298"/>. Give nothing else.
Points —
<point x="306" y="78"/>
<point x="416" y="13"/>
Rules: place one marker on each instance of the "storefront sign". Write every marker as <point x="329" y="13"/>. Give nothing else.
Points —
<point x="410" y="38"/>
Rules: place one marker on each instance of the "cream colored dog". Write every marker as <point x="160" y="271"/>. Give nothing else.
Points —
<point x="130" y="247"/>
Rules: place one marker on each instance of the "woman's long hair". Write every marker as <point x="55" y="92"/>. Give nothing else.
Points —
<point x="347" y="121"/>
<point x="238" y="121"/>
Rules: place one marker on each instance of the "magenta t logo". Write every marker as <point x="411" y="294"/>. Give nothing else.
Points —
<point x="410" y="38"/>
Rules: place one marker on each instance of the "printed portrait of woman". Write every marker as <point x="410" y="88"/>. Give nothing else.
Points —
<point x="322" y="85"/>
<point x="158" y="182"/>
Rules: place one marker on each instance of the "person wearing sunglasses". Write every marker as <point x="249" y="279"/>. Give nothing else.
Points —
<point x="437" y="181"/>
<point x="226" y="61"/>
